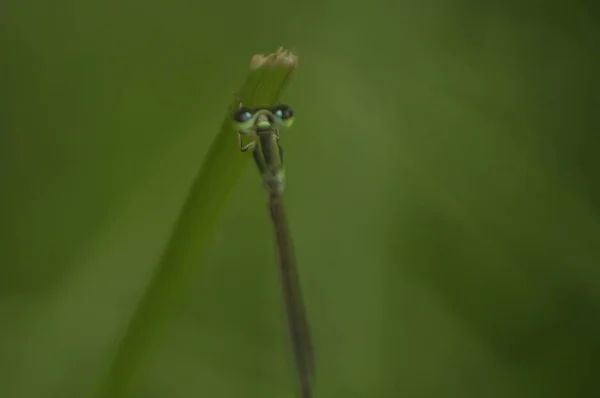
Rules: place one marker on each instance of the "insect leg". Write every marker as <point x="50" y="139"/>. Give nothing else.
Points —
<point x="244" y="148"/>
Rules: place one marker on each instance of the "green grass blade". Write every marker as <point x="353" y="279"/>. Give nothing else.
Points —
<point x="193" y="231"/>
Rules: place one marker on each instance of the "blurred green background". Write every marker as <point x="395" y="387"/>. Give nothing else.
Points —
<point x="442" y="193"/>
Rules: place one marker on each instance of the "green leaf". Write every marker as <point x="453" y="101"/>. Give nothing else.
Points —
<point x="199" y="215"/>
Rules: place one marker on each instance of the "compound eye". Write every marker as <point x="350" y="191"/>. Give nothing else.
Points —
<point x="283" y="112"/>
<point x="242" y="115"/>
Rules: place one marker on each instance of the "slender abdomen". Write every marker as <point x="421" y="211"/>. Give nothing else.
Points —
<point x="269" y="159"/>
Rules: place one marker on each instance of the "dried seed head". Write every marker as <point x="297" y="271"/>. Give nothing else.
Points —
<point x="281" y="57"/>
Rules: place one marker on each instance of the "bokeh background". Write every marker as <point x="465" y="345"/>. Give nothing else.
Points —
<point x="442" y="190"/>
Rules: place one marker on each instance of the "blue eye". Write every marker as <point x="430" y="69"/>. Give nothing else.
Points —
<point x="279" y="113"/>
<point x="243" y="115"/>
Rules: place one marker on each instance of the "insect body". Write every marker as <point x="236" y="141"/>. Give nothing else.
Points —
<point x="262" y="126"/>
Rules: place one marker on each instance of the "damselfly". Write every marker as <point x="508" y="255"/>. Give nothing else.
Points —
<point x="261" y="126"/>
